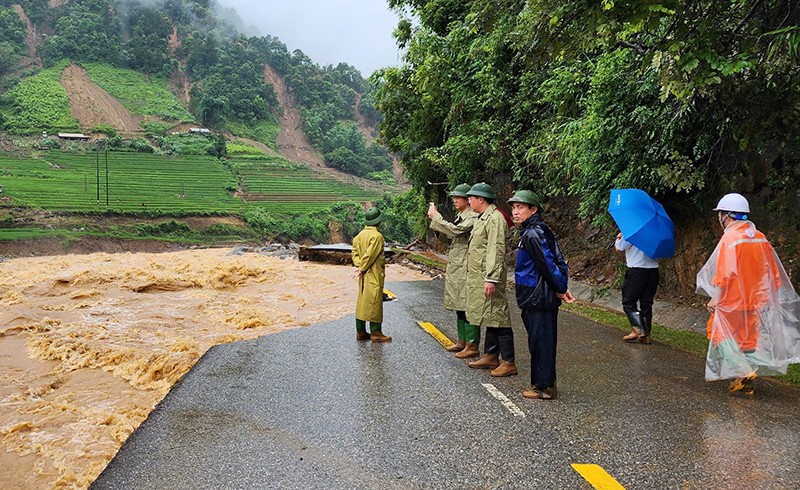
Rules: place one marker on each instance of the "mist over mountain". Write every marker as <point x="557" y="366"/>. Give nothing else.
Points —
<point x="357" y="32"/>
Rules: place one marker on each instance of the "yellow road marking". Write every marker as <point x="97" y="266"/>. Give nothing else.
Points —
<point x="436" y="334"/>
<point x="597" y="476"/>
<point x="389" y="294"/>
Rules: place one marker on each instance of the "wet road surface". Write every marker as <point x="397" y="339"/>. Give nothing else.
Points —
<point x="313" y="408"/>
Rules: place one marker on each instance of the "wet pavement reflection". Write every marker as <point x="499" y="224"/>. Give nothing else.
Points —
<point x="313" y="408"/>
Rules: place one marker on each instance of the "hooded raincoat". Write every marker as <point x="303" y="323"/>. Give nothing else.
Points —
<point x="455" y="284"/>
<point x="486" y="262"/>
<point x="368" y="256"/>
<point x="755" y="326"/>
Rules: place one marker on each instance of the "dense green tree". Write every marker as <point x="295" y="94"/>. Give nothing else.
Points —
<point x="147" y="48"/>
<point x="12" y="29"/>
<point x="577" y="98"/>
<point x="90" y="31"/>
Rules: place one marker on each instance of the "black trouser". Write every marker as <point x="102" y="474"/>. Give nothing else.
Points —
<point x="500" y="341"/>
<point x="640" y="287"/>
<point x="542" y="327"/>
<point x="461" y="315"/>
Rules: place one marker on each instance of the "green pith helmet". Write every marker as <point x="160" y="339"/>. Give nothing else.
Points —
<point x="373" y="216"/>
<point x="527" y="197"/>
<point x="460" y="190"/>
<point x="482" y="189"/>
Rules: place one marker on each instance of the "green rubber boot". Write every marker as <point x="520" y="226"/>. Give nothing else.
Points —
<point x="377" y="335"/>
<point x="472" y="336"/>
<point x="461" y="342"/>
<point x="361" y="330"/>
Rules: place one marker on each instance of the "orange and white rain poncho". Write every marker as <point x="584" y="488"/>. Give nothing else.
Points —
<point x="755" y="326"/>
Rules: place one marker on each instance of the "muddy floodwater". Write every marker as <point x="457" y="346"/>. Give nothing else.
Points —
<point x="89" y="344"/>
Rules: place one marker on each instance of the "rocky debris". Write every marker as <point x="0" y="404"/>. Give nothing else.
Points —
<point x="240" y="250"/>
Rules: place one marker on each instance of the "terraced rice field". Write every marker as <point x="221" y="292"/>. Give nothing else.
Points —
<point x="292" y="187"/>
<point x="136" y="182"/>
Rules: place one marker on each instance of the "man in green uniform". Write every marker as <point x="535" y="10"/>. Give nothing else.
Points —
<point x="371" y="271"/>
<point x="487" y="304"/>
<point x="455" y="283"/>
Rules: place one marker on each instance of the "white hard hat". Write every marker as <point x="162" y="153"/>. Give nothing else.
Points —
<point x="733" y="202"/>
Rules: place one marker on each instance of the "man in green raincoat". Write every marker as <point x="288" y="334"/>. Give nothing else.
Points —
<point x="487" y="304"/>
<point x="371" y="271"/>
<point x="455" y="284"/>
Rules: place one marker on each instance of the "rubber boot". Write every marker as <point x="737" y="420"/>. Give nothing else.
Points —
<point x="487" y="361"/>
<point x="506" y="368"/>
<point x="472" y="335"/>
<point x="361" y="330"/>
<point x="461" y="342"/>
<point x="377" y="335"/>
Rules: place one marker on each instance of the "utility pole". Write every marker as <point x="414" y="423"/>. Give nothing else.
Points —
<point x="106" y="180"/>
<point x="97" y="165"/>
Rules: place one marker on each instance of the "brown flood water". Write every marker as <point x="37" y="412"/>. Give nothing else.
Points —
<point x="89" y="344"/>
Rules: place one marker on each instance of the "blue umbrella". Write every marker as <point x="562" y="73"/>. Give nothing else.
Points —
<point x="643" y="222"/>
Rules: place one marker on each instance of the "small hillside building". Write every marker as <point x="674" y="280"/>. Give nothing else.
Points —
<point x="200" y="131"/>
<point x="73" y="136"/>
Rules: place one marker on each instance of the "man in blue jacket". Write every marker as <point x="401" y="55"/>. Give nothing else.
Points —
<point x="541" y="285"/>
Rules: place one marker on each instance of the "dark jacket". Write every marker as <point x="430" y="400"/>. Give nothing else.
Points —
<point x="540" y="271"/>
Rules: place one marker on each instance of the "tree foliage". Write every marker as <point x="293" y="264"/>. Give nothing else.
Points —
<point x="674" y="97"/>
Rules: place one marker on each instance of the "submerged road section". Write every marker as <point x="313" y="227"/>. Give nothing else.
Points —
<point x="313" y="408"/>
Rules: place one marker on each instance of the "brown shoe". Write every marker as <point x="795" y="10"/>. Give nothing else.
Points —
<point x="458" y="346"/>
<point x="504" y="369"/>
<point x="742" y="384"/>
<point x="470" y="350"/>
<point x="645" y="339"/>
<point x="379" y="337"/>
<point x="487" y="361"/>
<point x="362" y="336"/>
<point x="633" y="336"/>
<point x="536" y="393"/>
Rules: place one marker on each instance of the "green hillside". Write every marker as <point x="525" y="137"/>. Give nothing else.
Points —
<point x="136" y="183"/>
<point x="174" y="61"/>
<point x="151" y="67"/>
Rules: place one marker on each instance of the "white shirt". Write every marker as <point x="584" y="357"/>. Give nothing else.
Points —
<point x="633" y="256"/>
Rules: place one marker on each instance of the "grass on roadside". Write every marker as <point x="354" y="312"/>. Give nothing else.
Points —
<point x="684" y="340"/>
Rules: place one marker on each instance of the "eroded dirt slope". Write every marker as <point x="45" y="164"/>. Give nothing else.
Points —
<point x="31" y="39"/>
<point x="92" y="106"/>
<point x="293" y="144"/>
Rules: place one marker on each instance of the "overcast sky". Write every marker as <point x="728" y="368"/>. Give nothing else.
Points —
<point x="357" y="32"/>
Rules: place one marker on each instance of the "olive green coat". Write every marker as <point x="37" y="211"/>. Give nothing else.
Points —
<point x="486" y="262"/>
<point x="368" y="256"/>
<point x="455" y="283"/>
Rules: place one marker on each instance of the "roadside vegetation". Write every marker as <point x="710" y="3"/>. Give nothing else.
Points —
<point x="685" y="100"/>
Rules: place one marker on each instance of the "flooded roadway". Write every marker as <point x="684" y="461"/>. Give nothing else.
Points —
<point x="89" y="344"/>
<point x="312" y="408"/>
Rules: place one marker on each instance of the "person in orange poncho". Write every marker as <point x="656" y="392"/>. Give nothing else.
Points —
<point x="753" y="324"/>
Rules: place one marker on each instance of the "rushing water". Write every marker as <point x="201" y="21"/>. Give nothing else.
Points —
<point x="90" y="343"/>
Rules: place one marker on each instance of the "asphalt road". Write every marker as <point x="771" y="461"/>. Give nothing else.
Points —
<point x="313" y="408"/>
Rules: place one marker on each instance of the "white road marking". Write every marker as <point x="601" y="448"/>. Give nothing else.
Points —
<point x="515" y="410"/>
